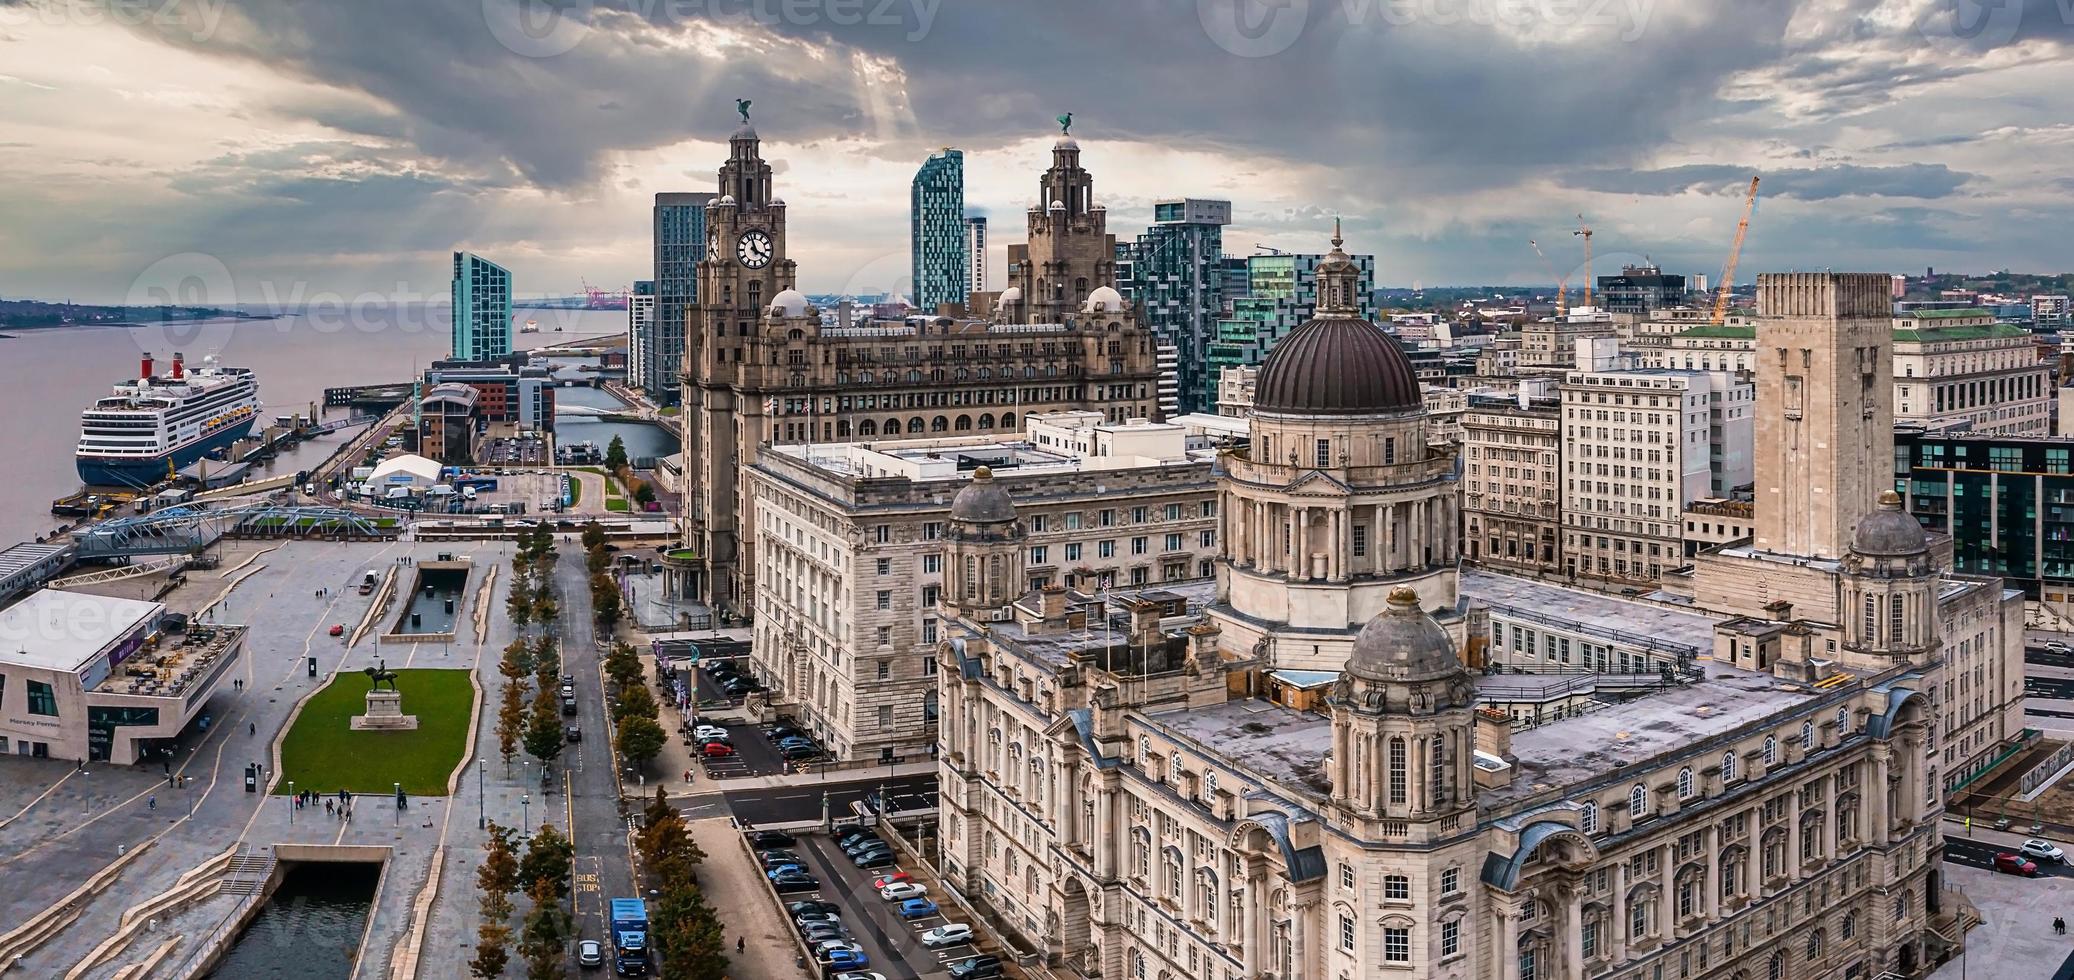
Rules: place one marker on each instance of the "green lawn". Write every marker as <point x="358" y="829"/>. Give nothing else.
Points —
<point x="323" y="753"/>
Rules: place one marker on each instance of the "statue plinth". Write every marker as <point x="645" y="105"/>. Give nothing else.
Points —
<point x="384" y="714"/>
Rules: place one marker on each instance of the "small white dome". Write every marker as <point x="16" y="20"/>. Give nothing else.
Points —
<point x="777" y="202"/>
<point x="724" y="199"/>
<point x="1066" y="143"/>
<point x="790" y="304"/>
<point x="1013" y="294"/>
<point x="1103" y="300"/>
<point x="745" y="132"/>
<point x="1058" y="205"/>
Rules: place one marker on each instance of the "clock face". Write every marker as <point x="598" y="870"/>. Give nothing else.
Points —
<point x="753" y="249"/>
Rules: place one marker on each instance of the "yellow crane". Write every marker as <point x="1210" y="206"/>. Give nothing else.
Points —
<point x="1735" y="252"/>
<point x="1585" y="230"/>
<point x="1562" y="284"/>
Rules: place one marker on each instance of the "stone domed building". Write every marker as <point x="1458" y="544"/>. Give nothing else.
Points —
<point x="1340" y="499"/>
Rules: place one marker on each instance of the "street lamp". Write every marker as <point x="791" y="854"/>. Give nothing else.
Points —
<point x="525" y="816"/>
<point x="291" y="803"/>
<point x="482" y="804"/>
<point x="398" y="819"/>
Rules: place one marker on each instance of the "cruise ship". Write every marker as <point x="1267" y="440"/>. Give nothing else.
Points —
<point x="154" y="424"/>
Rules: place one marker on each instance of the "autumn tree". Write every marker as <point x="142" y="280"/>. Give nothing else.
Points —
<point x="491" y="952"/>
<point x="634" y="702"/>
<point x="518" y="603"/>
<point x="544" y="729"/>
<point x="689" y="935"/>
<point x="623" y="665"/>
<point x="547" y="929"/>
<point x="549" y="855"/>
<point x="511" y="721"/>
<point x="640" y="740"/>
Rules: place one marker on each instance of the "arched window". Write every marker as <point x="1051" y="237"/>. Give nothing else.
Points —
<point x="1814" y="945"/>
<point x="1843" y="721"/>
<point x="1872" y="620"/>
<point x="986" y="420"/>
<point x="1588" y="818"/>
<point x="864" y="377"/>
<point x="1807" y="735"/>
<point x="867" y="428"/>
<point x="1684" y="783"/>
<point x="1901" y="906"/>
<point x="963" y="424"/>
<point x="914" y="425"/>
<point x="1850" y="926"/>
<point x="1638" y="801"/>
<point x="1728" y="766"/>
<point x="1776" y="969"/>
<point x="914" y="377"/>
<point x="891" y="428"/>
<point x="938" y="424"/>
<point x="1008" y="420"/>
<point x="1771" y="751"/>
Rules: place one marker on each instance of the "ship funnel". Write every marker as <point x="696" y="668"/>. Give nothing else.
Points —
<point x="179" y="365"/>
<point x="144" y="369"/>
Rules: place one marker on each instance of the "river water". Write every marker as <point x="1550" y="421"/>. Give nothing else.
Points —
<point x="48" y="376"/>
<point x="309" y="929"/>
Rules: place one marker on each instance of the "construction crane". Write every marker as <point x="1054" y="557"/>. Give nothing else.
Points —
<point x="1735" y="252"/>
<point x="1562" y="284"/>
<point x="1586" y="231"/>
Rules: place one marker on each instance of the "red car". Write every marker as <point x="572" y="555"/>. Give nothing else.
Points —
<point x="717" y="750"/>
<point x="895" y="878"/>
<point x="2013" y="864"/>
<point x="338" y="629"/>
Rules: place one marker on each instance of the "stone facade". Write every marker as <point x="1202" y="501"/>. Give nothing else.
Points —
<point x="762" y="368"/>
<point x="1512" y="483"/>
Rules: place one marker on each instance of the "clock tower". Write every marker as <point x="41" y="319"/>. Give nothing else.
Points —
<point x="744" y="269"/>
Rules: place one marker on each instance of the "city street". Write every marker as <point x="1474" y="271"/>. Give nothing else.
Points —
<point x="784" y="804"/>
<point x="1981" y="854"/>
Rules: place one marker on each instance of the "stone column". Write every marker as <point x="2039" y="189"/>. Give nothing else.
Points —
<point x="1830" y="824"/>
<point x="1508" y="945"/>
<point x="1877" y="795"/>
<point x="1617" y="930"/>
<point x="1753" y="858"/>
<point x="1297" y="518"/>
<point x="1714" y="872"/>
<point x="1573" y="935"/>
<point x="1793" y="821"/>
<point x="1256" y="958"/>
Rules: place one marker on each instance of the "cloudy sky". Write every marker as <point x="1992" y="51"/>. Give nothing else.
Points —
<point x="311" y="147"/>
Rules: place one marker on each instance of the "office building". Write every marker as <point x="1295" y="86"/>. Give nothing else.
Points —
<point x="1174" y="274"/>
<point x="770" y="371"/>
<point x="1281" y="294"/>
<point x="2007" y="504"/>
<point x="1303" y="772"/>
<point x="2051" y="312"/>
<point x="512" y="394"/>
<point x="640" y="322"/>
<point x="1638" y="445"/>
<point x="847" y="623"/>
<point x="1512" y="481"/>
<point x="1235" y="387"/>
<point x="1730" y="346"/>
<point x="1960" y="367"/>
<point x="482" y="308"/>
<point x="1548" y="345"/>
<point x="680" y="243"/>
<point x="1640" y="289"/>
<point x="939" y="241"/>
<point x="976" y="257"/>
<point x="102" y="679"/>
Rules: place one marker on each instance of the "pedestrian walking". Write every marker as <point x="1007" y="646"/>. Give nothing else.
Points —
<point x="251" y="728"/>
<point x="2059" y="925"/>
<point x="152" y="804"/>
<point x="738" y="944"/>
<point x="327" y="808"/>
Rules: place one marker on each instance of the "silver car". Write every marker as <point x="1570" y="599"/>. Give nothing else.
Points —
<point x="590" y="953"/>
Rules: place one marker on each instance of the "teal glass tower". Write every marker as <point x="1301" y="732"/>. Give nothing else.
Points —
<point x="482" y="308"/>
<point x="938" y="197"/>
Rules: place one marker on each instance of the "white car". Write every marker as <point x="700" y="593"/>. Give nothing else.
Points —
<point x="709" y="731"/>
<point x="955" y="934"/>
<point x="901" y="891"/>
<point x="2039" y="850"/>
<point x="831" y="945"/>
<point x="860" y="975"/>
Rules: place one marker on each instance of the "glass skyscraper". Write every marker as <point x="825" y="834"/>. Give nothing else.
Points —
<point x="680" y="244"/>
<point x="1173" y="273"/>
<point x="482" y="308"/>
<point x="1282" y="293"/>
<point x="938" y="215"/>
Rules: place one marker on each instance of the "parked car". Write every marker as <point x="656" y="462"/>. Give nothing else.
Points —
<point x="980" y="967"/>
<point x="2040" y="850"/>
<point x="812" y="905"/>
<point x="901" y="891"/>
<point x="773" y="859"/>
<point x="716" y="750"/>
<point x="796" y="883"/>
<point x="841" y="959"/>
<point x="575" y="734"/>
<point x="954" y="934"/>
<point x="833" y="945"/>
<point x="568" y="706"/>
<point x="338" y="629"/>
<point x="798" y="753"/>
<point x="873" y="859"/>
<point x="894" y="878"/>
<point x="772" y="838"/>
<point x="859" y="975"/>
<point x="785" y="870"/>
<point x="823" y="932"/>
<point x="915" y="908"/>
<point x="781" y="730"/>
<point x="706" y="732"/>
<point x="590" y="954"/>
<point x="863" y="843"/>
<point x="2012" y="864"/>
<point x="568" y="689"/>
<point x="805" y="919"/>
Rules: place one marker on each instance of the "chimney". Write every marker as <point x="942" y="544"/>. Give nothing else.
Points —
<point x="144" y="369"/>
<point x="1144" y="622"/>
<point x="1052" y="602"/>
<point x="179" y="365"/>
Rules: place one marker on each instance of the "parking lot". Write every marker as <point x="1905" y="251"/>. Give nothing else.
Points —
<point x="891" y="944"/>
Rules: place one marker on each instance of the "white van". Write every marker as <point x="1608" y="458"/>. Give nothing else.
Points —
<point x="467" y="493"/>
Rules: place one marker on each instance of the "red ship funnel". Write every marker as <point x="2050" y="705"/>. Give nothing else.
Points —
<point x="179" y="365"/>
<point x="144" y="370"/>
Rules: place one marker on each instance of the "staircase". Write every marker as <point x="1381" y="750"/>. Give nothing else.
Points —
<point x="247" y="873"/>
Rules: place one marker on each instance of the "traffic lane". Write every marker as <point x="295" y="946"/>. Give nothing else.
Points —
<point x="1981" y="854"/>
<point x="2061" y="688"/>
<point x="2048" y="658"/>
<point x="889" y="941"/>
<point x="783" y="804"/>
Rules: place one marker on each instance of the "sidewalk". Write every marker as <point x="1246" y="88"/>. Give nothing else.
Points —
<point x="734" y="888"/>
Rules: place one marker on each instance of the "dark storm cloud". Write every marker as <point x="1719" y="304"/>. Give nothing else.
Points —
<point x="1917" y="180"/>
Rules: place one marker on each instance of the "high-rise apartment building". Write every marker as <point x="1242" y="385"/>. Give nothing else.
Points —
<point x="680" y="244"/>
<point x="1638" y="445"/>
<point x="939" y="244"/>
<point x="765" y="370"/>
<point x="1281" y="294"/>
<point x="976" y="253"/>
<point x="1175" y="278"/>
<point x="482" y="308"/>
<point x="640" y="324"/>
<point x="1512" y="481"/>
